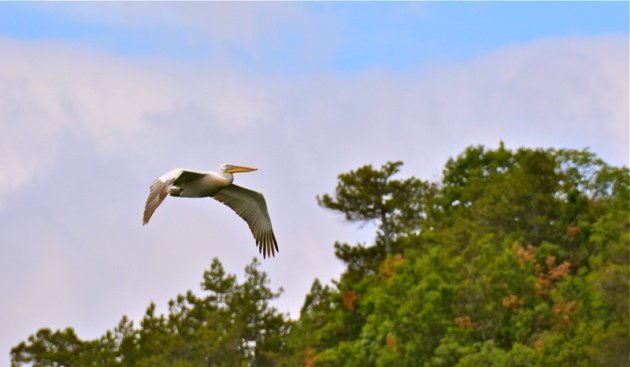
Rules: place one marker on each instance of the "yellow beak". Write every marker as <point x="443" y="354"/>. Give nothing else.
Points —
<point x="235" y="169"/>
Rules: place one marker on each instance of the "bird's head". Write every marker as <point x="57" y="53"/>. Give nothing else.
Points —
<point x="231" y="168"/>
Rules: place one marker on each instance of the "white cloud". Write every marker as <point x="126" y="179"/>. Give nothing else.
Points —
<point x="561" y="92"/>
<point x="53" y="90"/>
<point x="82" y="134"/>
<point x="218" y="26"/>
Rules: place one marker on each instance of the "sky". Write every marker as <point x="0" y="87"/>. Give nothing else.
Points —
<point x="99" y="99"/>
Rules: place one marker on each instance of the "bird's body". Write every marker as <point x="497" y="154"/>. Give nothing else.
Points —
<point x="200" y="184"/>
<point x="248" y="204"/>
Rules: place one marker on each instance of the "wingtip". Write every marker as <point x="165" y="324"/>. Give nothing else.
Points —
<point x="268" y="249"/>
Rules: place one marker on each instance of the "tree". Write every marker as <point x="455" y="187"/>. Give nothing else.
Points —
<point x="366" y="195"/>
<point x="516" y="258"/>
<point x="232" y="325"/>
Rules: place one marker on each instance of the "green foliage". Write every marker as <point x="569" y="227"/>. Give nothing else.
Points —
<point x="516" y="258"/>
<point x="231" y="325"/>
<point x="367" y="194"/>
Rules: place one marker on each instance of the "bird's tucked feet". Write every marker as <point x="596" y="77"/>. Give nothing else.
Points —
<point x="175" y="191"/>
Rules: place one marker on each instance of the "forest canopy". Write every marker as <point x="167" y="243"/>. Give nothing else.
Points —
<point x="514" y="258"/>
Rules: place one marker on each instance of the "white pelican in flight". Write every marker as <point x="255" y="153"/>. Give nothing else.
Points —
<point x="248" y="204"/>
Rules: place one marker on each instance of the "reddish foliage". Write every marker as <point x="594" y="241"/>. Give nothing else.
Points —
<point x="387" y="268"/>
<point x="573" y="231"/>
<point x="553" y="273"/>
<point x="512" y="302"/>
<point x="389" y="264"/>
<point x="560" y="271"/>
<point x="349" y="300"/>
<point x="309" y="357"/>
<point x="523" y="256"/>
<point x="465" y="322"/>
<point x="390" y="340"/>
<point x="562" y="310"/>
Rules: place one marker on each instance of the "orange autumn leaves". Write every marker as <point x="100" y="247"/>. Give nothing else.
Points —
<point x="547" y="273"/>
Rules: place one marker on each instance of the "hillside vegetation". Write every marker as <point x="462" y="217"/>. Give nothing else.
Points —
<point x="514" y="258"/>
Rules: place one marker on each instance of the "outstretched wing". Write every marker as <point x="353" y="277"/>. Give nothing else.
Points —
<point x="157" y="192"/>
<point x="251" y="206"/>
<point x="159" y="189"/>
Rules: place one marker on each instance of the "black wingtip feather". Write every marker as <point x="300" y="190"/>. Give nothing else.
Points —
<point x="275" y="242"/>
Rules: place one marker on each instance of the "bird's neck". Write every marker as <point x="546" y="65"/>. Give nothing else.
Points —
<point x="228" y="177"/>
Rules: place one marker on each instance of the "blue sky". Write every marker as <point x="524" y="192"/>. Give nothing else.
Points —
<point x="101" y="98"/>
<point x="379" y="35"/>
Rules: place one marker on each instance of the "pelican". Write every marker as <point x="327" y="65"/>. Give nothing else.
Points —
<point x="248" y="204"/>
